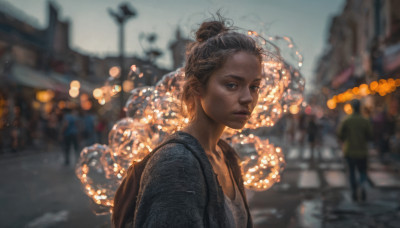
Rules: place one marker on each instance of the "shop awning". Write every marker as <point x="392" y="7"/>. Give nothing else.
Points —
<point x="29" y="77"/>
<point x="26" y="76"/>
<point x="392" y="58"/>
<point x="342" y="77"/>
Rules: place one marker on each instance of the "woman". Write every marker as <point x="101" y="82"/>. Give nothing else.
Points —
<point x="197" y="182"/>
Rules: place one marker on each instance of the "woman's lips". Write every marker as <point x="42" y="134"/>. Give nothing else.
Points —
<point x="242" y="115"/>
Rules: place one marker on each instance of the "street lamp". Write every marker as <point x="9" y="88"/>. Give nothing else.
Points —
<point x="124" y="12"/>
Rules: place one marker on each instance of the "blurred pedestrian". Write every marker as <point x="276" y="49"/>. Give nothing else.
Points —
<point x="101" y="130"/>
<point x="383" y="128"/>
<point x="302" y="128"/>
<point x="377" y="121"/>
<point x="52" y="128"/>
<point x="312" y="135"/>
<point x="89" y="133"/>
<point x="301" y="132"/>
<point x="17" y="128"/>
<point x="69" y="132"/>
<point x="354" y="132"/>
<point x="290" y="129"/>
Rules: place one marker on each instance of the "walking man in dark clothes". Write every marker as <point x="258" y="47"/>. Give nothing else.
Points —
<point x="354" y="132"/>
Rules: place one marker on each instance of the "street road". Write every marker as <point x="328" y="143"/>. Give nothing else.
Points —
<point x="37" y="190"/>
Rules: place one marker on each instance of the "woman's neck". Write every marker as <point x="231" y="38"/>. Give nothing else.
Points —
<point x="206" y="132"/>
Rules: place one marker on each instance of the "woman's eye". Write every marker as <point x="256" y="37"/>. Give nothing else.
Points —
<point x="255" y="88"/>
<point x="231" y="85"/>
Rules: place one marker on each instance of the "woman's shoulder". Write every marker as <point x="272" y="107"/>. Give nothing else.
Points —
<point x="172" y="163"/>
<point x="172" y="154"/>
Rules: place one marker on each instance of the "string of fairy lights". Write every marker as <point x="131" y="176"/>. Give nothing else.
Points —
<point x="381" y="87"/>
<point x="153" y="112"/>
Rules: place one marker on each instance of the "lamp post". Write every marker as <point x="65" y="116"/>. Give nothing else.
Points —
<point x="123" y="13"/>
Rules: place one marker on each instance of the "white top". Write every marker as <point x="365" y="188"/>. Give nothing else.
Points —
<point x="235" y="208"/>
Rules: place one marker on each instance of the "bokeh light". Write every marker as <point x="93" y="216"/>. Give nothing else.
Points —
<point x="75" y="84"/>
<point x="114" y="71"/>
<point x="348" y="109"/>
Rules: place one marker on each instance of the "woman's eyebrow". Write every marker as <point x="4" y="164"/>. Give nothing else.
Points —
<point x="234" y="77"/>
<point x="239" y="78"/>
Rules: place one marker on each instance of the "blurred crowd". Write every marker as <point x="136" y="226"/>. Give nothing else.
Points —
<point x="312" y="131"/>
<point x="23" y="127"/>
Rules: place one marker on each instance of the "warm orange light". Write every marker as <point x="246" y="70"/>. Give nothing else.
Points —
<point x="335" y="99"/>
<point x="97" y="93"/>
<point x="86" y="105"/>
<point x="35" y="104"/>
<point x="340" y="98"/>
<point x="294" y="109"/>
<point x="114" y="71"/>
<point x="347" y="109"/>
<point x="374" y="85"/>
<point x="397" y="82"/>
<point x="61" y="105"/>
<point x="48" y="107"/>
<point x="383" y="87"/>
<point x="44" y="96"/>
<point x="392" y="88"/>
<point x="75" y="84"/>
<point x="331" y="104"/>
<point x="355" y="90"/>
<point x="127" y="85"/>
<point x="252" y="33"/>
<point x="74" y="92"/>
<point x="84" y="97"/>
<point x="348" y="95"/>
<point x="364" y="91"/>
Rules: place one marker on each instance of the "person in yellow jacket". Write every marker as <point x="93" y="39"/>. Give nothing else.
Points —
<point x="355" y="132"/>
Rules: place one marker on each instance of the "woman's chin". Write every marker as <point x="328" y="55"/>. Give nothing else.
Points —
<point x="236" y="126"/>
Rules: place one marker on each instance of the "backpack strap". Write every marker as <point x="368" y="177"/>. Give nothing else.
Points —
<point x="126" y="195"/>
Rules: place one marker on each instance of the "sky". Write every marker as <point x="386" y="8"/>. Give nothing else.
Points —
<point x="93" y="31"/>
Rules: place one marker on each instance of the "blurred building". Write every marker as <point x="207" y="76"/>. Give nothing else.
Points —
<point x="37" y="66"/>
<point x="178" y="49"/>
<point x="363" y="46"/>
<point x="33" y="59"/>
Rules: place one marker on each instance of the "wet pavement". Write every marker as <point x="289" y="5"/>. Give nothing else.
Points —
<point x="315" y="193"/>
<point x="38" y="191"/>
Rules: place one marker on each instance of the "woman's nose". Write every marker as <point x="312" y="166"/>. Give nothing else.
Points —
<point x="246" y="96"/>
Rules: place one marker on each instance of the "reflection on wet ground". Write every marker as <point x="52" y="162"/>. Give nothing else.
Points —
<point x="382" y="209"/>
<point x="309" y="213"/>
<point x="315" y="193"/>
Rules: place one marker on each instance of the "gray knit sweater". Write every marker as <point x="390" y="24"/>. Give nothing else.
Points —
<point x="180" y="189"/>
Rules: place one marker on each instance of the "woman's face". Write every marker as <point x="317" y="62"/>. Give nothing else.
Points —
<point x="231" y="92"/>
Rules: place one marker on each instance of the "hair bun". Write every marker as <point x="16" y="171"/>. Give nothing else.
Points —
<point x="210" y="29"/>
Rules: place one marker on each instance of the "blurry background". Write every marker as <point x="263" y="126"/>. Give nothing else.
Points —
<point x="60" y="55"/>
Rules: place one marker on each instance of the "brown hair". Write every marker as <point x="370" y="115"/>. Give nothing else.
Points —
<point x="215" y="42"/>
